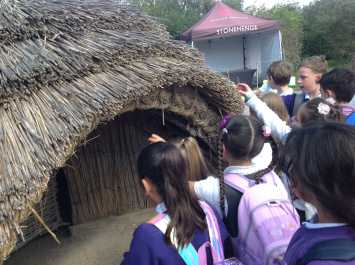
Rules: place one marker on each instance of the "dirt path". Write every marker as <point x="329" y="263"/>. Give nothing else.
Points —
<point x="96" y="243"/>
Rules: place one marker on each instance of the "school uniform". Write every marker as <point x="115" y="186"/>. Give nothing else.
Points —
<point x="293" y="102"/>
<point x="148" y="246"/>
<point x="287" y="92"/>
<point x="309" y="235"/>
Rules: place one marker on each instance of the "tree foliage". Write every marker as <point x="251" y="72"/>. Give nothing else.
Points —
<point x="324" y="27"/>
<point x="329" y="29"/>
<point x="179" y="15"/>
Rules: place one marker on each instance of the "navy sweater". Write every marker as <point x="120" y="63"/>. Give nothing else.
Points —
<point x="148" y="246"/>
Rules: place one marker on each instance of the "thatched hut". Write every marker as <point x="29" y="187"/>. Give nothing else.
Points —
<point x="82" y="83"/>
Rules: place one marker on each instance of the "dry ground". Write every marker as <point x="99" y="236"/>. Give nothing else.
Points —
<point x="96" y="243"/>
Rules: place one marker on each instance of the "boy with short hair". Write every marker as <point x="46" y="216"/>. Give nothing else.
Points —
<point x="279" y="75"/>
<point x="310" y="72"/>
<point x="338" y="86"/>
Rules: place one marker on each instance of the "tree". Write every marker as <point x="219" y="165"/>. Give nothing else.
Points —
<point x="179" y="15"/>
<point x="290" y="17"/>
<point x="329" y="29"/>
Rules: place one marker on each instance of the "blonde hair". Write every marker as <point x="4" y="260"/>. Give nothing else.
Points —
<point x="275" y="102"/>
<point x="196" y="164"/>
<point x="318" y="64"/>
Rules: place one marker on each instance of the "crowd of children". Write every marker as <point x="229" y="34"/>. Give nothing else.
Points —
<point x="287" y="195"/>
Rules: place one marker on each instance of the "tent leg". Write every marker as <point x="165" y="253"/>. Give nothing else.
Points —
<point x="244" y="58"/>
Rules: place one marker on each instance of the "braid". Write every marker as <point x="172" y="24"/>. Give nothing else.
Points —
<point x="257" y="175"/>
<point x="220" y="173"/>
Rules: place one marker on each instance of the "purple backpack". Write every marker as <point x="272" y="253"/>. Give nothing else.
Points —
<point x="266" y="219"/>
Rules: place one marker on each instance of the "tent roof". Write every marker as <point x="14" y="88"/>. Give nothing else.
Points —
<point x="222" y="21"/>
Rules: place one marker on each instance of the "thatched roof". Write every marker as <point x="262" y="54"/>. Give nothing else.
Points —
<point x="65" y="67"/>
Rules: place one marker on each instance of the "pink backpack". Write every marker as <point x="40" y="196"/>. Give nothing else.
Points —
<point x="189" y="254"/>
<point x="266" y="219"/>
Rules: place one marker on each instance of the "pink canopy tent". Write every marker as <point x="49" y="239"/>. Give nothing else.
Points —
<point x="235" y="41"/>
<point x="223" y="21"/>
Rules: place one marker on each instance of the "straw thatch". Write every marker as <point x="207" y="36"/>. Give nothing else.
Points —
<point x="68" y="66"/>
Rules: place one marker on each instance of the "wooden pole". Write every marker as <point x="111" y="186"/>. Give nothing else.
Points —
<point x="39" y="219"/>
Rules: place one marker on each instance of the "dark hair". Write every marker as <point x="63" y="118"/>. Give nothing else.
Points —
<point x="164" y="165"/>
<point x="319" y="109"/>
<point x="320" y="159"/>
<point x="318" y="64"/>
<point x="341" y="82"/>
<point x="280" y="72"/>
<point x="243" y="138"/>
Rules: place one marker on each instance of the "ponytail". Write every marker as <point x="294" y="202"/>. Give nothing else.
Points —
<point x="164" y="165"/>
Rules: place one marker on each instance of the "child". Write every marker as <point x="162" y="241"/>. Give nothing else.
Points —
<point x="310" y="72"/>
<point x="279" y="75"/>
<point x="185" y="229"/>
<point x="196" y="165"/>
<point x="243" y="138"/>
<point x="320" y="162"/>
<point x="316" y="109"/>
<point x="338" y="87"/>
<point x="275" y="103"/>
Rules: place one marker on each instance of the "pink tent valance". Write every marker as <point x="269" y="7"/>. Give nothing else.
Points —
<point x="224" y="21"/>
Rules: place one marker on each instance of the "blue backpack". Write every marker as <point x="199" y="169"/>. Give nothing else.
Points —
<point x="349" y="112"/>
<point x="351" y="119"/>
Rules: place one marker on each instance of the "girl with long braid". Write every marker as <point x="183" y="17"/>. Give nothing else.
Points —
<point x="244" y="185"/>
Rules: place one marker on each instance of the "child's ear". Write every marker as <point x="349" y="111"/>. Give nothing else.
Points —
<point x="318" y="77"/>
<point x="147" y="185"/>
<point x="329" y="93"/>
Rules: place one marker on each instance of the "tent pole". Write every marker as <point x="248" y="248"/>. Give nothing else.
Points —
<point x="281" y="46"/>
<point x="192" y="44"/>
<point x="244" y="59"/>
<point x="257" y="75"/>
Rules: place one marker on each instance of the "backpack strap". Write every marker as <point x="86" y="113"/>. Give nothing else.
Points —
<point x="332" y="250"/>
<point x="214" y="233"/>
<point x="233" y="197"/>
<point x="188" y="253"/>
<point x="240" y="183"/>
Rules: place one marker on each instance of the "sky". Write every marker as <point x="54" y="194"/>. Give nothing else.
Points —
<point x="270" y="3"/>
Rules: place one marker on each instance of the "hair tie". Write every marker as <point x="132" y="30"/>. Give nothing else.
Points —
<point x="323" y="108"/>
<point x="225" y="121"/>
<point x="225" y="131"/>
<point x="266" y="131"/>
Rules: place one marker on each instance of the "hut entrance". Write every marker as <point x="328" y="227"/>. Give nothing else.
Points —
<point x="101" y="176"/>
